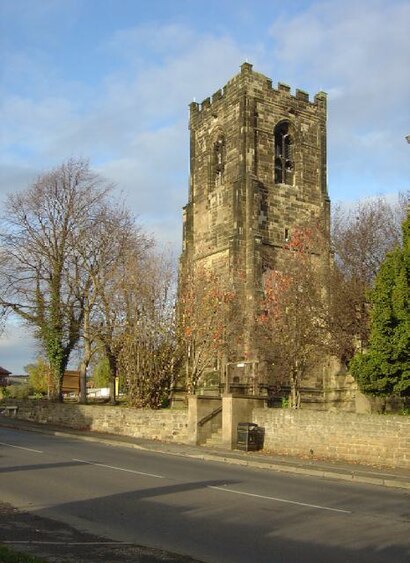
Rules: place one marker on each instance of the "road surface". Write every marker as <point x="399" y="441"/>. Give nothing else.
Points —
<point x="213" y="512"/>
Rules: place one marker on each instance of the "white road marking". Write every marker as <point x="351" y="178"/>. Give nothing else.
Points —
<point x="286" y="501"/>
<point x="29" y="542"/>
<point x="223" y="489"/>
<point x="119" y="468"/>
<point x="21" y="448"/>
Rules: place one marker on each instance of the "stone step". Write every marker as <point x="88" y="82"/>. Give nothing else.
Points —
<point x="215" y="438"/>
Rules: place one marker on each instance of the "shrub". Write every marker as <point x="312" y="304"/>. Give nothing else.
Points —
<point x="22" y="391"/>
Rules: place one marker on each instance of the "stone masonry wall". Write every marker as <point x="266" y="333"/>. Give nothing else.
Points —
<point x="380" y="440"/>
<point x="167" y="425"/>
<point x="355" y="438"/>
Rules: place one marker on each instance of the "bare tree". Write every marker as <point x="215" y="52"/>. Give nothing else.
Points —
<point x="117" y="302"/>
<point x="294" y="310"/>
<point x="111" y="233"/>
<point x="149" y="356"/>
<point x="41" y="275"/>
<point x="361" y="235"/>
<point x="3" y="315"/>
<point x="205" y="307"/>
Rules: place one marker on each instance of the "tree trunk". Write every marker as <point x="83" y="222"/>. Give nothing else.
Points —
<point x="55" y="395"/>
<point x="113" y="400"/>
<point x="188" y="378"/>
<point x="112" y="361"/>
<point x="56" y="391"/>
<point x="86" y="354"/>
<point x="83" y="383"/>
<point x="293" y="396"/>
<point x="295" y="392"/>
<point x="297" y="399"/>
<point x="83" y="370"/>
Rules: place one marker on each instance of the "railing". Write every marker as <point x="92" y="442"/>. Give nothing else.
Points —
<point x="209" y="416"/>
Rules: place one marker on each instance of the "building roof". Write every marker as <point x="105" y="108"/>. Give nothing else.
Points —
<point x="4" y="371"/>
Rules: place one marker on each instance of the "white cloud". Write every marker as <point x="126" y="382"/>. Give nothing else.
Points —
<point x="361" y="47"/>
<point x="135" y="132"/>
<point x="358" y="52"/>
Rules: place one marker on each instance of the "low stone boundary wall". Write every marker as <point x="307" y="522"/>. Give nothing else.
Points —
<point x="382" y="440"/>
<point x="167" y="424"/>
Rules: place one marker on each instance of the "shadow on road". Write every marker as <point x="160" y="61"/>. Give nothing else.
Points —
<point x="39" y="466"/>
<point x="212" y="525"/>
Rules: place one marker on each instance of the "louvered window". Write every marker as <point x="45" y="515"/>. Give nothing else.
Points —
<point x="219" y="160"/>
<point x="283" y="155"/>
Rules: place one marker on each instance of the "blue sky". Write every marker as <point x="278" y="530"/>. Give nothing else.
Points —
<point x="110" y="80"/>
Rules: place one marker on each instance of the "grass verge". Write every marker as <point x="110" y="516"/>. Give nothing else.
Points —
<point x="8" y="555"/>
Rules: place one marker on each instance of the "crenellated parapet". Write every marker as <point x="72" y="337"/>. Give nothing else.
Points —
<point x="255" y="83"/>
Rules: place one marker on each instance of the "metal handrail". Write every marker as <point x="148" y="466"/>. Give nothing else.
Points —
<point x="209" y="416"/>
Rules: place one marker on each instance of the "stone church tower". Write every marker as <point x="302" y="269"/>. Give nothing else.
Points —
<point x="257" y="170"/>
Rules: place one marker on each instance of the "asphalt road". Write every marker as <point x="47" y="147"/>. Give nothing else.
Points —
<point x="212" y="512"/>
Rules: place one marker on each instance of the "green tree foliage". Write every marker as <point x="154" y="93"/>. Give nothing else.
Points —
<point x="19" y="391"/>
<point x="101" y="375"/>
<point x="39" y="375"/>
<point x="385" y="368"/>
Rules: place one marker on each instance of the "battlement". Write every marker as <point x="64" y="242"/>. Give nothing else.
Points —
<point x="245" y="79"/>
<point x="206" y="104"/>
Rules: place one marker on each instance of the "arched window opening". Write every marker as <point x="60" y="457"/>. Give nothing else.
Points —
<point x="219" y="160"/>
<point x="283" y="154"/>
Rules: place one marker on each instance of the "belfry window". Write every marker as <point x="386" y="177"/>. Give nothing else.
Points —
<point x="219" y="160"/>
<point x="283" y="154"/>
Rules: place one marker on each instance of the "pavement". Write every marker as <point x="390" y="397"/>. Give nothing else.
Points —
<point x="265" y="460"/>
